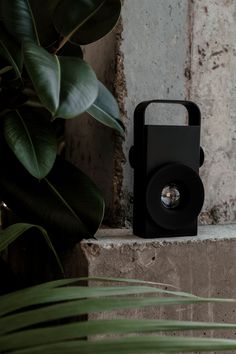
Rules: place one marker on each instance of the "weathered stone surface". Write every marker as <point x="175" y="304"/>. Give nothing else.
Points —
<point x="203" y="265"/>
<point x="186" y="49"/>
<point x="171" y="50"/>
<point x="213" y="87"/>
<point x="155" y="48"/>
<point x="90" y="145"/>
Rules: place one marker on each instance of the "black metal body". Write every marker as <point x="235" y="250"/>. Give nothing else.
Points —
<point x="162" y="155"/>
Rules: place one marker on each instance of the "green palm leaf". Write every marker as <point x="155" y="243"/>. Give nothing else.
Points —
<point x="140" y="345"/>
<point x="17" y="337"/>
<point x="36" y="337"/>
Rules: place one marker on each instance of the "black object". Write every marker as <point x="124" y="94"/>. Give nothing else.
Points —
<point x="168" y="192"/>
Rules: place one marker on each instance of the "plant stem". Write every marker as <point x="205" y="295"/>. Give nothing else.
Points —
<point x="5" y="69"/>
<point x="35" y="104"/>
<point x="67" y="38"/>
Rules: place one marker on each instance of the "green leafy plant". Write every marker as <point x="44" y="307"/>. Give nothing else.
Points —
<point x="9" y="280"/>
<point x="47" y="317"/>
<point x="43" y="80"/>
<point x="44" y="319"/>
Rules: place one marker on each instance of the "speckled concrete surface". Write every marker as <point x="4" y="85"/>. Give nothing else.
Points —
<point x="187" y="49"/>
<point x="206" y="232"/>
<point x="155" y="50"/>
<point x="213" y="87"/>
<point x="171" y="50"/>
<point x="203" y="265"/>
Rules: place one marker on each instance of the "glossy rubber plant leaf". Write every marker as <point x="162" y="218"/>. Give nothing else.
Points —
<point x="11" y="51"/>
<point x="105" y="109"/>
<point x="71" y="49"/>
<point x="12" y="232"/>
<point x="32" y="141"/>
<point x="4" y="51"/>
<point x="18" y="19"/>
<point x="67" y="86"/>
<point x="43" y="15"/>
<point x="68" y="204"/>
<point x="86" y="21"/>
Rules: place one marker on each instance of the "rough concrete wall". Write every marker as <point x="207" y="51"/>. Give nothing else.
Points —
<point x="213" y="87"/>
<point x="89" y="145"/>
<point x="187" y="49"/>
<point x="156" y="62"/>
<point x="203" y="265"/>
<point x="166" y="49"/>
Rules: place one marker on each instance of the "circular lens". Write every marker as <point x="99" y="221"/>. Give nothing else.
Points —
<point x="170" y="196"/>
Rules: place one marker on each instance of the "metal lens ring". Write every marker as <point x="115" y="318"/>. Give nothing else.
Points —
<point x="174" y="196"/>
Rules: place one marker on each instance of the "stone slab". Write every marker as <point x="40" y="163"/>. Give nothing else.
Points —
<point x="124" y="236"/>
<point x="204" y="265"/>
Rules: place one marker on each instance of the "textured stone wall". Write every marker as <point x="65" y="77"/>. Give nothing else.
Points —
<point x="203" y="265"/>
<point x="213" y="87"/>
<point x="167" y="49"/>
<point x="187" y="50"/>
<point x="155" y="49"/>
<point x="89" y="145"/>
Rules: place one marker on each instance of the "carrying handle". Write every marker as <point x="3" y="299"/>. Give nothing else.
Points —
<point x="194" y="119"/>
<point x="194" y="114"/>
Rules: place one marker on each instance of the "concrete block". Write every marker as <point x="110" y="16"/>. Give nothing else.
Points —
<point x="203" y="265"/>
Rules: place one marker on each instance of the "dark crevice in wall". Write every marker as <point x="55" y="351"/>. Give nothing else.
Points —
<point x="188" y="66"/>
<point x="117" y="214"/>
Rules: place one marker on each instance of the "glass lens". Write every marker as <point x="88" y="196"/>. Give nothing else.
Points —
<point x="170" y="196"/>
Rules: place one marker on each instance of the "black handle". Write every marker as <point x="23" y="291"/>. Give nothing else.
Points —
<point x="194" y="114"/>
<point x="194" y="119"/>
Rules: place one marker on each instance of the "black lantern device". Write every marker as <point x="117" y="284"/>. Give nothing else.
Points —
<point x="168" y="192"/>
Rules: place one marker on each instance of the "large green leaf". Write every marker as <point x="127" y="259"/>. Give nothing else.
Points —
<point x="79" y="87"/>
<point x="139" y="345"/>
<point x="71" y="49"/>
<point x="67" y="204"/>
<point x="88" y="306"/>
<point x="43" y="18"/>
<point x="48" y="337"/>
<point x="32" y="141"/>
<point x="11" y="233"/>
<point x="67" y="86"/>
<point x="11" y="51"/>
<point x="105" y="110"/>
<point x="98" y="300"/>
<point x="7" y="55"/>
<point x="86" y="21"/>
<point x="68" y="291"/>
<point x="18" y="19"/>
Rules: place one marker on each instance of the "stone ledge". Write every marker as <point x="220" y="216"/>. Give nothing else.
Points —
<point x="125" y="236"/>
<point x="203" y="265"/>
